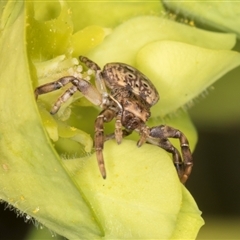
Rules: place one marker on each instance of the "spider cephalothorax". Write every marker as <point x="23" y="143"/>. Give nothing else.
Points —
<point x="126" y="94"/>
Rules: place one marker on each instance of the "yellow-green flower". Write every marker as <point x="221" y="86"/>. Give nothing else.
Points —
<point x="47" y="168"/>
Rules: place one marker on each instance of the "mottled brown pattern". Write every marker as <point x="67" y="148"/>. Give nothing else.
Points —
<point x="126" y="94"/>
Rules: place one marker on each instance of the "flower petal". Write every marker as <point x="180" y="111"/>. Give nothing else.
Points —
<point x="142" y="195"/>
<point x="123" y="44"/>
<point x="181" y="71"/>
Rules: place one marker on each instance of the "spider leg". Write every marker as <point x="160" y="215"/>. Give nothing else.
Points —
<point x="99" y="81"/>
<point x="177" y="159"/>
<point x="159" y="136"/>
<point x="125" y="133"/>
<point x="118" y="128"/>
<point x="105" y="116"/>
<point x="52" y="86"/>
<point x="63" y="98"/>
<point x="88" y="90"/>
<point x="89" y="63"/>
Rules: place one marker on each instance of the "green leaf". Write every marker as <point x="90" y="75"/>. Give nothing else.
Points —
<point x="171" y="65"/>
<point x="139" y="195"/>
<point x="32" y="177"/>
<point x="224" y="15"/>
<point x="49" y="38"/>
<point x="182" y="70"/>
<point x="110" y="13"/>
<point x="188" y="220"/>
<point x="123" y="44"/>
<point x="86" y="39"/>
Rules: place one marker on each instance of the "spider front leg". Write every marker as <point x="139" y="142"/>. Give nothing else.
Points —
<point x="88" y="90"/>
<point x="99" y="81"/>
<point x="159" y="136"/>
<point x="105" y="116"/>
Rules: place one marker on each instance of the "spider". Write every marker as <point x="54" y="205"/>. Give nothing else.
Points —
<point x="126" y="94"/>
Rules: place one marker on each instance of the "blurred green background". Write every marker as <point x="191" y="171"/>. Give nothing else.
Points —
<point x="215" y="182"/>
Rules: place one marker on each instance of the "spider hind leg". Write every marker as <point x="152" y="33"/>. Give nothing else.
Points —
<point x="159" y="136"/>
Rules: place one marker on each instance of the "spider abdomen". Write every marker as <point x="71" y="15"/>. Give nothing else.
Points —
<point x="120" y="75"/>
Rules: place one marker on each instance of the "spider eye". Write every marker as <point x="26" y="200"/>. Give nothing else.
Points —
<point x="145" y="85"/>
<point x="131" y="75"/>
